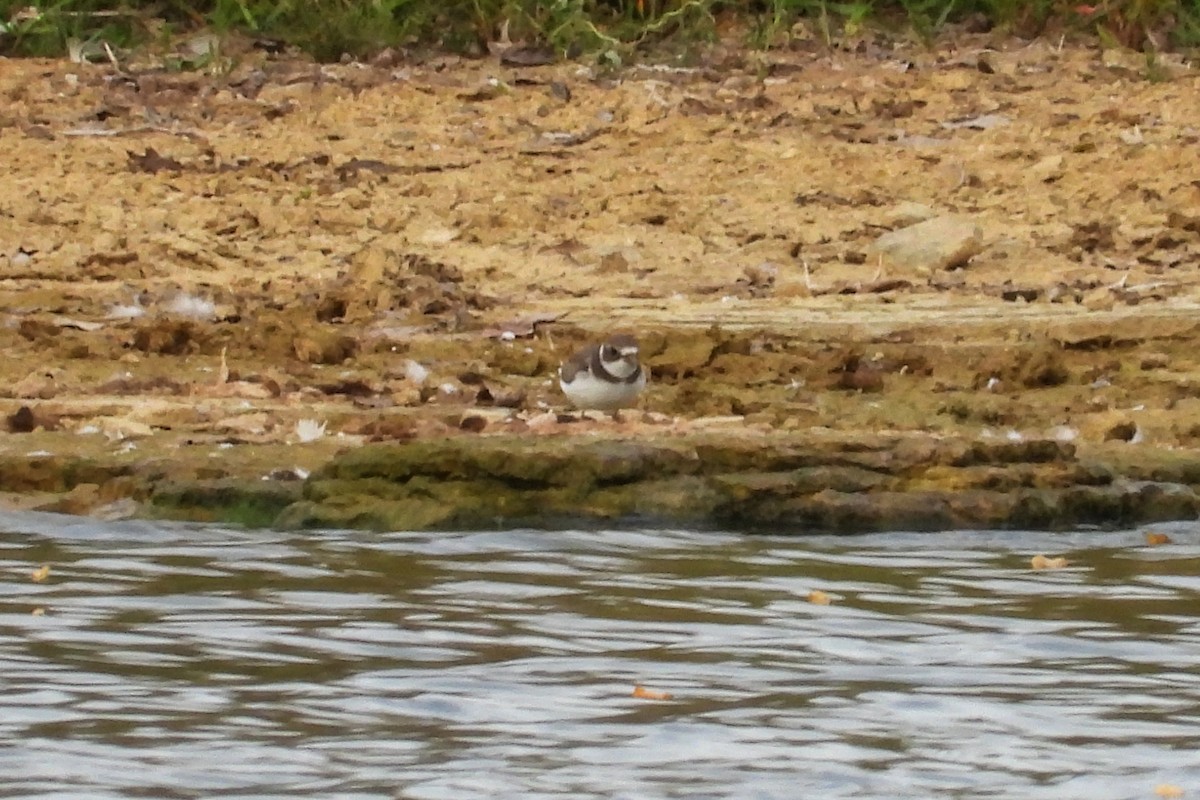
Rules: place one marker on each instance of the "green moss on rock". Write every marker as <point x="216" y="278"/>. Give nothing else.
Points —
<point x="230" y="500"/>
<point x="792" y="482"/>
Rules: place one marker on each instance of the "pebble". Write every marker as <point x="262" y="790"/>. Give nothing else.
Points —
<point x="940" y="243"/>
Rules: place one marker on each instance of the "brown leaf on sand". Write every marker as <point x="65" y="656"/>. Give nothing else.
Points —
<point x="642" y="693"/>
<point x="1042" y="562"/>
<point x="384" y="428"/>
<point x="151" y="161"/>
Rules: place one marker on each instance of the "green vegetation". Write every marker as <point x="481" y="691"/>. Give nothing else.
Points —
<point x="612" y="29"/>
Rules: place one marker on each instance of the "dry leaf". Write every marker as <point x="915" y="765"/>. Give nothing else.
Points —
<point x="1155" y="538"/>
<point x="520" y="328"/>
<point x="1168" y="790"/>
<point x="642" y="693"/>
<point x="41" y="573"/>
<point x="151" y="161"/>
<point x="1042" y="562"/>
<point x="37" y="612"/>
<point x="817" y="597"/>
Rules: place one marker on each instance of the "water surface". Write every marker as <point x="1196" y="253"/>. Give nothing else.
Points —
<point x="173" y="661"/>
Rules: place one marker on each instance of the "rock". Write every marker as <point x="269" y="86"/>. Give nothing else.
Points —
<point x="225" y="499"/>
<point x="323" y="347"/>
<point x="1152" y="361"/>
<point x="1048" y="169"/>
<point x="123" y="508"/>
<point x="22" y="420"/>
<point x="1041" y="368"/>
<point x="935" y="244"/>
<point x="45" y="473"/>
<point x="41" y="384"/>
<point x="82" y="499"/>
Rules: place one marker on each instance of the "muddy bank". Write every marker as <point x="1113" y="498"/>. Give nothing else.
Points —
<point x="215" y="286"/>
<point x="865" y="421"/>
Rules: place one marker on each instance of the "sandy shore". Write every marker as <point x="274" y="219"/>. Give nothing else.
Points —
<point x="213" y="285"/>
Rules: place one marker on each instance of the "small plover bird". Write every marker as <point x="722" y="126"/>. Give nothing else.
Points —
<point x="604" y="376"/>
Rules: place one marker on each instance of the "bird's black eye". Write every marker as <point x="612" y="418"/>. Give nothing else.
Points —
<point x="608" y="353"/>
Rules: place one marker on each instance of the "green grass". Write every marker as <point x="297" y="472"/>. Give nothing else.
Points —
<point x="611" y="29"/>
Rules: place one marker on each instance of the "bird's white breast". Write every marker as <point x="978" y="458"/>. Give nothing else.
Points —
<point x="589" y="392"/>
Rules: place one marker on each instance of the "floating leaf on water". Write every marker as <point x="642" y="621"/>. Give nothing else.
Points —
<point x="819" y="598"/>
<point x="40" y="574"/>
<point x="642" y="693"/>
<point x="1154" y="538"/>
<point x="1168" y="790"/>
<point x="1042" y="562"/>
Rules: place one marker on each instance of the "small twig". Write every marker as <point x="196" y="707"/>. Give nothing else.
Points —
<point x="187" y="134"/>
<point x="1146" y="287"/>
<point x="108" y="51"/>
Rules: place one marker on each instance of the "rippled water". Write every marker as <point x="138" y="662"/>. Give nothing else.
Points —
<point x="171" y="661"/>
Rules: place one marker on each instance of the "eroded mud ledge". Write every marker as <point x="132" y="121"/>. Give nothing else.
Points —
<point x="769" y="483"/>
<point x="766" y="481"/>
